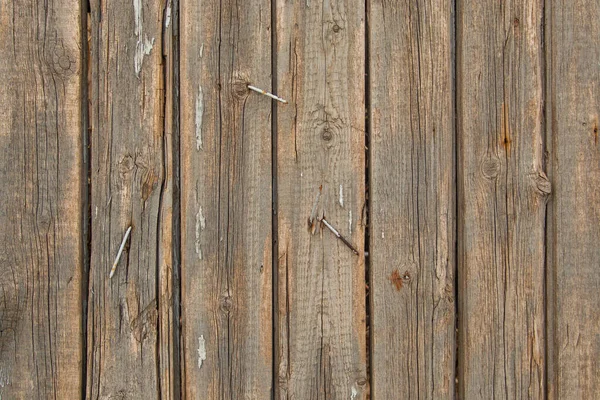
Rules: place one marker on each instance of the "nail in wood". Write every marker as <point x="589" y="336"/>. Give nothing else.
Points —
<point x="313" y="213"/>
<point x="339" y="236"/>
<point x="114" y="267"/>
<point x="271" y="95"/>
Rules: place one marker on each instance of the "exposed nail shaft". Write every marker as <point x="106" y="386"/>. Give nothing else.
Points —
<point x="313" y="213"/>
<point x="271" y="95"/>
<point x="339" y="236"/>
<point x="114" y="267"/>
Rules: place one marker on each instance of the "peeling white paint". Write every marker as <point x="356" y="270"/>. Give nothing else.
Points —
<point x="199" y="115"/>
<point x="200" y="225"/>
<point x="201" y="50"/>
<point x="350" y="221"/>
<point x="96" y="211"/>
<point x="137" y="15"/>
<point x="4" y="380"/>
<point x="201" y="350"/>
<point x="144" y="45"/>
<point x="341" y="196"/>
<point x="353" y="393"/>
<point x="168" y="16"/>
<point x="143" y="48"/>
<point x="382" y="234"/>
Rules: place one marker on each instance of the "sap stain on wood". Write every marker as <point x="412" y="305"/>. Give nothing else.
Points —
<point x="396" y="280"/>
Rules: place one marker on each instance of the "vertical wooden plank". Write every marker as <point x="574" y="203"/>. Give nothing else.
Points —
<point x="412" y="227"/>
<point x="168" y="315"/>
<point x="226" y="199"/>
<point x="502" y="199"/>
<point x="128" y="174"/>
<point x="574" y="230"/>
<point x="321" y="349"/>
<point x="42" y="192"/>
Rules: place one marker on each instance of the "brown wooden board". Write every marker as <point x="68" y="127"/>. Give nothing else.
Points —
<point x="320" y="331"/>
<point x="128" y="189"/>
<point x="226" y="215"/>
<point x="503" y="192"/>
<point x="573" y="110"/>
<point x="412" y="199"/>
<point x="168" y="305"/>
<point x="43" y="200"/>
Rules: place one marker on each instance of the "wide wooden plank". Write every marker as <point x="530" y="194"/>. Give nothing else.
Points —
<point x="503" y="192"/>
<point x="573" y="44"/>
<point x="42" y="192"/>
<point x="412" y="199"/>
<point x="320" y="332"/>
<point x="226" y="217"/>
<point x="127" y="188"/>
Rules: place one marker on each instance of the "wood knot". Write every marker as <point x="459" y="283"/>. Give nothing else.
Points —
<point x="239" y="88"/>
<point x="490" y="167"/>
<point x="449" y="289"/>
<point x="541" y="183"/>
<point x="327" y="135"/>
<point x="225" y="302"/>
<point x="336" y="28"/>
<point x="126" y="164"/>
<point x="150" y="182"/>
<point x="44" y="218"/>
<point x="62" y="63"/>
<point x="361" y="382"/>
<point x="144" y="323"/>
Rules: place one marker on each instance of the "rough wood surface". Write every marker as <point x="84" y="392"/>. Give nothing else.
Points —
<point x="226" y="213"/>
<point x="320" y="336"/>
<point x="42" y="192"/>
<point x="502" y="199"/>
<point x="573" y="39"/>
<point x="128" y="177"/>
<point x="412" y="198"/>
<point x="168" y="304"/>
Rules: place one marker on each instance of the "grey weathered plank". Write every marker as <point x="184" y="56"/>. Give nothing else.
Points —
<point x="42" y="192"/>
<point x="226" y="217"/>
<point x="320" y="332"/>
<point x="412" y="198"/>
<point x="573" y="43"/>
<point x="128" y="174"/>
<point x="502" y="199"/>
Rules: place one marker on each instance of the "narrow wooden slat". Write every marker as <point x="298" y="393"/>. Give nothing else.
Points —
<point x="502" y="199"/>
<point x="412" y="227"/>
<point x="226" y="217"/>
<point x="320" y="332"/>
<point x="168" y="317"/>
<point x="42" y="192"/>
<point x="573" y="43"/>
<point x="128" y="177"/>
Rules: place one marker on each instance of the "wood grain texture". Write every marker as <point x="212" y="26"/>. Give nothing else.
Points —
<point x="573" y="39"/>
<point x="321" y="340"/>
<point x="168" y="305"/>
<point x="412" y="226"/>
<point x="128" y="178"/>
<point x="226" y="196"/>
<point x="42" y="192"/>
<point x="503" y="192"/>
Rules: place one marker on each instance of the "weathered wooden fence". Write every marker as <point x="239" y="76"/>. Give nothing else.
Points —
<point x="454" y="144"/>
